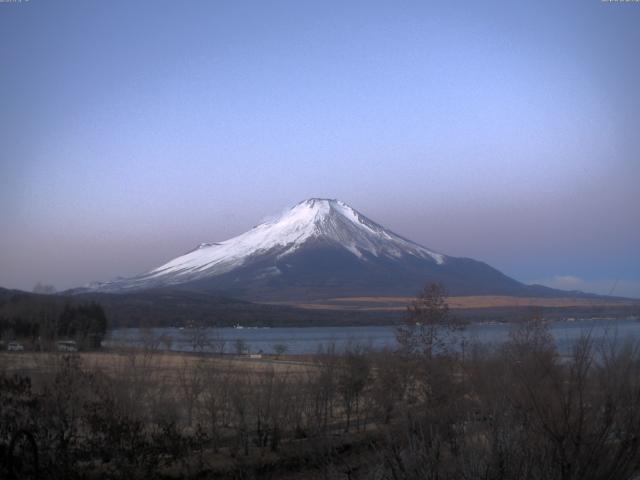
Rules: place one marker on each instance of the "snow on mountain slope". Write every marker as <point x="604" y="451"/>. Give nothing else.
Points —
<point x="329" y="221"/>
<point x="319" y="248"/>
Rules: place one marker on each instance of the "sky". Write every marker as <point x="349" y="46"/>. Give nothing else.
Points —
<point x="131" y="131"/>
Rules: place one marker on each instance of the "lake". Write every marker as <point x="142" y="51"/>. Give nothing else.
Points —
<point x="310" y="339"/>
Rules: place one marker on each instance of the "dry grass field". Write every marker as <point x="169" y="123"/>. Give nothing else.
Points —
<point x="168" y="365"/>
<point x="389" y="303"/>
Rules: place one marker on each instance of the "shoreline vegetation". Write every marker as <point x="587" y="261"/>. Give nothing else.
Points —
<point x="405" y="414"/>
<point x="171" y="308"/>
<point x="422" y="410"/>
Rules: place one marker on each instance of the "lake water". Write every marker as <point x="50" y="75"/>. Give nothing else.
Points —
<point x="310" y="339"/>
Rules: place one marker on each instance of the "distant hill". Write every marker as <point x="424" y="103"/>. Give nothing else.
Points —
<point x="174" y="307"/>
<point x="167" y="308"/>
<point x="177" y="308"/>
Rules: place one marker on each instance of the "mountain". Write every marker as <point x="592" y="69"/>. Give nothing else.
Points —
<point x="320" y="248"/>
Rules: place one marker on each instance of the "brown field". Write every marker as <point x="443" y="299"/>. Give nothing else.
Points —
<point x="390" y="303"/>
<point x="167" y="363"/>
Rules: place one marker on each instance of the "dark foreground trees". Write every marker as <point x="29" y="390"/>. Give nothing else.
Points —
<point x="529" y="413"/>
<point x="520" y="410"/>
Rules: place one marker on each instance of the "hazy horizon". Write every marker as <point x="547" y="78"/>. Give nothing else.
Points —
<point x="502" y="132"/>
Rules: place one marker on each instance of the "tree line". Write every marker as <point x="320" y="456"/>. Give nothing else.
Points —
<point x="42" y="319"/>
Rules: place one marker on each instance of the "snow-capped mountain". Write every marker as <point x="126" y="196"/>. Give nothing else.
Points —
<point x="318" y="248"/>
<point x="330" y="220"/>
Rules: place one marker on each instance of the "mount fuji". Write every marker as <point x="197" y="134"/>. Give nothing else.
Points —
<point x="320" y="248"/>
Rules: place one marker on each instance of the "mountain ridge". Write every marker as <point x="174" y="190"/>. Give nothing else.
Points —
<point x="320" y="248"/>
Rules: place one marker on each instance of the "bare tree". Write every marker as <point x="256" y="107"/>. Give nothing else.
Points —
<point x="218" y="343"/>
<point x="166" y="342"/>
<point x="428" y="328"/>
<point x="215" y="402"/>
<point x="240" y="346"/>
<point x="352" y="379"/>
<point x="391" y="381"/>
<point x="199" y="338"/>
<point x="191" y="384"/>
<point x="279" y="349"/>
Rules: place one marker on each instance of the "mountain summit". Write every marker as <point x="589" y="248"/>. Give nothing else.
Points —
<point x="318" y="248"/>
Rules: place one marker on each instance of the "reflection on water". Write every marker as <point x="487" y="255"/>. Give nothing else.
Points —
<point x="310" y="339"/>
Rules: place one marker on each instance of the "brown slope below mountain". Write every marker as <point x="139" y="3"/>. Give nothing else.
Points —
<point x="390" y="303"/>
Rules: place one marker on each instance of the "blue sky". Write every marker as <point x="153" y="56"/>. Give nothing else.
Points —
<point x="503" y="131"/>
